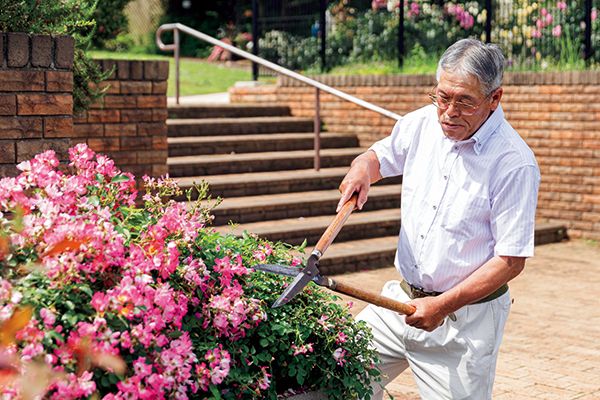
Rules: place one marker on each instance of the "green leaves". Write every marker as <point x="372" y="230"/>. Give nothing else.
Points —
<point x="241" y="347"/>
<point x="215" y="392"/>
<point x="120" y="178"/>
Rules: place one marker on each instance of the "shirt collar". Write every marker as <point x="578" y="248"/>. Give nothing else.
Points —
<point x="487" y="129"/>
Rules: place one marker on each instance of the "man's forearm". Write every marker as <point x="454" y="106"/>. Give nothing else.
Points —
<point x="484" y="281"/>
<point x="370" y="163"/>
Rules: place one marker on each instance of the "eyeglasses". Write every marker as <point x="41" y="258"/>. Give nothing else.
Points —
<point x="464" y="107"/>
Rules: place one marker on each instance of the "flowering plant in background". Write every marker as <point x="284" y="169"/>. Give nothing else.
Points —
<point x="427" y="25"/>
<point x="540" y="32"/>
<point x="534" y="34"/>
<point x="100" y="297"/>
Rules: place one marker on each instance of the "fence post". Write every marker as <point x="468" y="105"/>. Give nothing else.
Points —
<point x="488" y="21"/>
<point x="255" y="38"/>
<point x="323" y="32"/>
<point x="400" y="33"/>
<point x="587" y="41"/>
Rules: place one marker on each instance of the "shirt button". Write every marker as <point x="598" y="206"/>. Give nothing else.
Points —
<point x="455" y="147"/>
<point x="422" y="236"/>
<point x="445" y="177"/>
<point x="416" y="266"/>
<point x="435" y="207"/>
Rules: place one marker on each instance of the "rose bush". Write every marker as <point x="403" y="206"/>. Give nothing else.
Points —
<point x="100" y="297"/>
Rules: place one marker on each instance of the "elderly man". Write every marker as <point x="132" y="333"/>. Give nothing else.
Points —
<point x="469" y="194"/>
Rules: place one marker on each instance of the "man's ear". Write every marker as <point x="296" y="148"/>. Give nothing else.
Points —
<point x="496" y="96"/>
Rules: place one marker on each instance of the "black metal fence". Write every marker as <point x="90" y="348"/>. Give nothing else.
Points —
<point x="276" y="20"/>
<point x="306" y="33"/>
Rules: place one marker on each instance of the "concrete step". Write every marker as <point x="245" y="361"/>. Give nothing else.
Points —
<point x="227" y="144"/>
<point x="237" y="126"/>
<point x="260" y="183"/>
<point x="549" y="232"/>
<point x="360" y="225"/>
<point x="227" y="111"/>
<point x="247" y="209"/>
<point x="215" y="164"/>
<point x="360" y="255"/>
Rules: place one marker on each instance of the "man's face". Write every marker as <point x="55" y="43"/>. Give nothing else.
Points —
<point x="453" y="88"/>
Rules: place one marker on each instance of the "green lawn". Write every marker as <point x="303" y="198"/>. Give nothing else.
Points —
<point x="387" y="68"/>
<point x="197" y="76"/>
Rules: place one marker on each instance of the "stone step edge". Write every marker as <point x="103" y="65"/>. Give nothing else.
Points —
<point x="314" y="222"/>
<point x="264" y="176"/>
<point x="258" y="137"/>
<point x="225" y="106"/>
<point x="270" y="155"/>
<point x="236" y="121"/>
<point x="389" y="243"/>
<point x="271" y="177"/>
<point x="385" y="248"/>
<point x="249" y="202"/>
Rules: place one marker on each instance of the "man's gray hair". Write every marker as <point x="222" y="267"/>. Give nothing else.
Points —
<point x="471" y="57"/>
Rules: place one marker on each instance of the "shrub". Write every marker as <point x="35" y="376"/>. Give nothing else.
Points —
<point x="110" y="21"/>
<point x="101" y="297"/>
<point x="66" y="17"/>
<point x="288" y="50"/>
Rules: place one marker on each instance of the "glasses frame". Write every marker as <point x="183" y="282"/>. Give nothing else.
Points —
<point x="461" y="107"/>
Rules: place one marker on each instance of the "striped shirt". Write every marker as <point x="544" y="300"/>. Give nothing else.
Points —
<point x="463" y="202"/>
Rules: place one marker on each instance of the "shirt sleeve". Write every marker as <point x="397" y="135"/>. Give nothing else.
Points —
<point x="513" y="212"/>
<point x="391" y="151"/>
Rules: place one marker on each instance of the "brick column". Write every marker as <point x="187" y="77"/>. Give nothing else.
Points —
<point x="36" y="102"/>
<point x="129" y="123"/>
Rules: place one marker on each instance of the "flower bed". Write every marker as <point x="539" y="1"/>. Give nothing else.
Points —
<point x="100" y="297"/>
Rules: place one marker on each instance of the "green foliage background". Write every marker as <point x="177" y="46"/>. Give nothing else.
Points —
<point x="110" y="21"/>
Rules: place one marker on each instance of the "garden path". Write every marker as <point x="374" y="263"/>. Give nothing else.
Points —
<point x="551" y="347"/>
<point x="210" y="98"/>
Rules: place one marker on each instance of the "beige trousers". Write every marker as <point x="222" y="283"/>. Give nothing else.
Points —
<point x="455" y="361"/>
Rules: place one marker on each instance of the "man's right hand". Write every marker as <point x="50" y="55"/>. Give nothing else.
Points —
<point x="364" y="171"/>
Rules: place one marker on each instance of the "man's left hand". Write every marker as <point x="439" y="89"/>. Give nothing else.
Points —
<point x="428" y="315"/>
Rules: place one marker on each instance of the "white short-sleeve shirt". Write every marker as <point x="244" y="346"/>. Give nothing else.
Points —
<point x="463" y="202"/>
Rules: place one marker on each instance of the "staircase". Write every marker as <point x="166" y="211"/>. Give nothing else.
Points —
<point x="259" y="160"/>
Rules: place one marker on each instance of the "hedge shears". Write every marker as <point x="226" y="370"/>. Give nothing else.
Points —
<point x="311" y="271"/>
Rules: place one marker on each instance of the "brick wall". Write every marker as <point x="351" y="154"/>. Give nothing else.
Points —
<point x="558" y="114"/>
<point x="129" y="123"/>
<point x="36" y="106"/>
<point x="36" y="103"/>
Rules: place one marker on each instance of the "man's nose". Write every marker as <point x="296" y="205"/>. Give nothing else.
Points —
<point x="452" y="110"/>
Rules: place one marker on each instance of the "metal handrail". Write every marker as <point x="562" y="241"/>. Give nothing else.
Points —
<point x="177" y="27"/>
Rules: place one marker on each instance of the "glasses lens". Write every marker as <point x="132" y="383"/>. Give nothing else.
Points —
<point x="443" y="104"/>
<point x="466" y="109"/>
<point x="437" y="101"/>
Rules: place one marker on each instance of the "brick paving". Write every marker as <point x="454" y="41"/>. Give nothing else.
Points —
<point x="551" y="347"/>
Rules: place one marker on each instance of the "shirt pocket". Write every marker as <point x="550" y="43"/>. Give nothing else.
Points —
<point x="466" y="214"/>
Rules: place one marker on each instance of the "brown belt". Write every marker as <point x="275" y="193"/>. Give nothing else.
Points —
<point x="415" y="292"/>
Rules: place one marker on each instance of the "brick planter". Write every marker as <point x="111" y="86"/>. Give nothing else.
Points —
<point x="36" y="106"/>
<point x="36" y="102"/>
<point x="129" y="123"/>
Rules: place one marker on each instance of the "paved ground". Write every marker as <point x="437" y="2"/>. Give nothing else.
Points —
<point x="551" y="347"/>
<point x="201" y="99"/>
